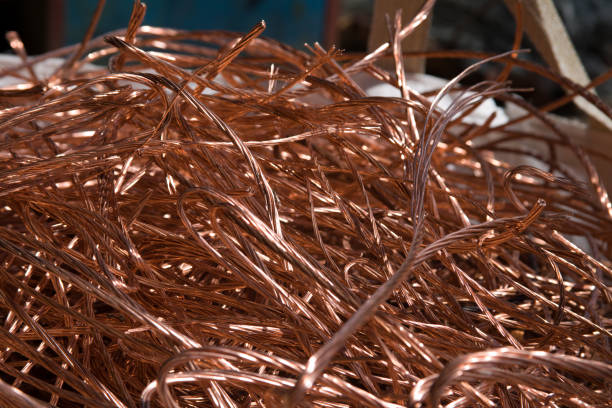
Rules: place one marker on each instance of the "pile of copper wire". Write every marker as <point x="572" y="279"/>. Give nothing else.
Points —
<point x="205" y="218"/>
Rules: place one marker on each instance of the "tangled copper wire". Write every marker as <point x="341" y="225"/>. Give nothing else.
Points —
<point x="222" y="220"/>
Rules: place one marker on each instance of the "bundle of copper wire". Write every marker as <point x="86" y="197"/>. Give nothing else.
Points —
<point x="216" y="219"/>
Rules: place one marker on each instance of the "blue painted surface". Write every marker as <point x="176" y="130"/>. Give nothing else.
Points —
<point x="291" y="21"/>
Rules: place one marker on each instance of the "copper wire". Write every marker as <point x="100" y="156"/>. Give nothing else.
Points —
<point x="217" y="219"/>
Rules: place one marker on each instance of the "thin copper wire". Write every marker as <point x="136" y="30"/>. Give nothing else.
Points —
<point x="218" y="219"/>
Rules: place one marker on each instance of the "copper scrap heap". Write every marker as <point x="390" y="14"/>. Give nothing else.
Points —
<point x="222" y="220"/>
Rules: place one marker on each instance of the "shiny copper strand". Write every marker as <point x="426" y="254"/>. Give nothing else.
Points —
<point x="216" y="220"/>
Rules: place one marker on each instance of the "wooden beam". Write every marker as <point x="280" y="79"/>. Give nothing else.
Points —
<point x="547" y="32"/>
<point x="417" y="41"/>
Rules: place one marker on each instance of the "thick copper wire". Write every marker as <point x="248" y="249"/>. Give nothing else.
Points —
<point x="221" y="220"/>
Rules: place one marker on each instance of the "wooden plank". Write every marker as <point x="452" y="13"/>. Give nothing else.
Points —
<point x="417" y="41"/>
<point x="547" y="32"/>
<point x="330" y="30"/>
